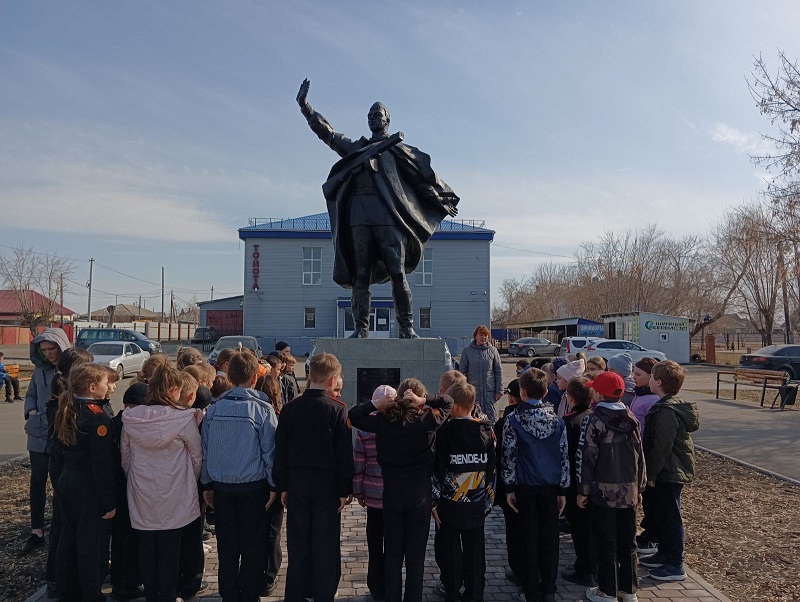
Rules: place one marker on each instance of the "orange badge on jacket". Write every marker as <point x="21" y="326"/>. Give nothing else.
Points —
<point x="102" y="431"/>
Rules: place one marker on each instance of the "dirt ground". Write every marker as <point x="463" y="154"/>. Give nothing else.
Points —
<point x="742" y="533"/>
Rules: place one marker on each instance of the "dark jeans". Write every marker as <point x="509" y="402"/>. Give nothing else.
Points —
<point x="274" y="556"/>
<point x="312" y="537"/>
<point x="648" y="526"/>
<point x="580" y="524"/>
<point x="513" y="540"/>
<point x="82" y="555"/>
<point x="159" y="561"/>
<point x="376" y="569"/>
<point x="406" y="522"/>
<point x="192" y="561"/>
<point x="125" y="574"/>
<point x="538" y="510"/>
<point x="615" y="530"/>
<point x="666" y="501"/>
<point x="462" y="553"/>
<point x="11" y="383"/>
<point x="55" y="467"/>
<point x="38" y="492"/>
<point x="241" y="526"/>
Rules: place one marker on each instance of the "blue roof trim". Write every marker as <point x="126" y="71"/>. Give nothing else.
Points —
<point x="318" y="226"/>
<point x="245" y="234"/>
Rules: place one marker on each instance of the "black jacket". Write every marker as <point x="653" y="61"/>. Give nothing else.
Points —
<point x="464" y="472"/>
<point x="96" y="450"/>
<point x="314" y="433"/>
<point x="402" y="445"/>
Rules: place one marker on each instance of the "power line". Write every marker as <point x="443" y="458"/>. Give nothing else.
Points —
<point x="124" y="274"/>
<point x="532" y="251"/>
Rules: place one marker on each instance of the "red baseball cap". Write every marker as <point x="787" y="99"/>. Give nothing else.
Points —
<point x="608" y="384"/>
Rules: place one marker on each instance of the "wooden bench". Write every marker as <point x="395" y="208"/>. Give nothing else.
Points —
<point x="766" y="379"/>
<point x="13" y="370"/>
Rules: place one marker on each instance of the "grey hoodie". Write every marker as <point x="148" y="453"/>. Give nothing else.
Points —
<point x="39" y="390"/>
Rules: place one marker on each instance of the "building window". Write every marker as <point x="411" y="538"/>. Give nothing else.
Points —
<point x="312" y="265"/>
<point x="424" y="317"/>
<point x="310" y="320"/>
<point x="424" y="270"/>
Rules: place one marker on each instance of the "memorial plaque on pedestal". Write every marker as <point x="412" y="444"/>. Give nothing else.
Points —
<point x="369" y="379"/>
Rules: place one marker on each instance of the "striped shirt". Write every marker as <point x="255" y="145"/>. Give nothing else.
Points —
<point x="368" y="478"/>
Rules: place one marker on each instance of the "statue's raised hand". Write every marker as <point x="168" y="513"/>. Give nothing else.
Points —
<point x="301" y="95"/>
<point x="452" y="210"/>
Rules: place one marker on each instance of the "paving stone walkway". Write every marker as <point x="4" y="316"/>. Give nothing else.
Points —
<point x="353" y="586"/>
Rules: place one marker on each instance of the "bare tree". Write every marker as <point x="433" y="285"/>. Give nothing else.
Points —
<point x="37" y="281"/>
<point x="777" y="96"/>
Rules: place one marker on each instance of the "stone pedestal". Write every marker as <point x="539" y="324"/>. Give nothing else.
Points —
<point x="367" y="363"/>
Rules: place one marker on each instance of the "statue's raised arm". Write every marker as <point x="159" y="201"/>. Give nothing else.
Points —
<point x="301" y="96"/>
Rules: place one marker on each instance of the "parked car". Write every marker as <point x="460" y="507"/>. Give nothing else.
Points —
<point x="125" y="358"/>
<point x="784" y="358"/>
<point x="205" y="334"/>
<point x="89" y="336"/>
<point x="576" y="344"/>
<point x="533" y="346"/>
<point x="608" y="348"/>
<point x="233" y="342"/>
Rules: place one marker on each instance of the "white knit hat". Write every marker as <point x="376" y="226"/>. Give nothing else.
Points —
<point x="572" y="370"/>
<point x="383" y="391"/>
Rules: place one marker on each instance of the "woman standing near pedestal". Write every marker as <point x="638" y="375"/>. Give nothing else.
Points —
<point x="480" y="363"/>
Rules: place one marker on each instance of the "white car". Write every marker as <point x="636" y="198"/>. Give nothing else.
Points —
<point x="608" y="348"/>
<point x="234" y="342"/>
<point x="125" y="358"/>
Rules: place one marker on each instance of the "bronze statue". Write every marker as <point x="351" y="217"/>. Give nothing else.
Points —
<point x="384" y="203"/>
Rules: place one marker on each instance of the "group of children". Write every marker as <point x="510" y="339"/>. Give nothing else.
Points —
<point x="248" y="450"/>
<point x="622" y="442"/>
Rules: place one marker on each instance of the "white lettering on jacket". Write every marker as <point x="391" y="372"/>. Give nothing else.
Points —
<point x="469" y="458"/>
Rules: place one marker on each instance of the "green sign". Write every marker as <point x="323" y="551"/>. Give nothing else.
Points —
<point x="668" y="325"/>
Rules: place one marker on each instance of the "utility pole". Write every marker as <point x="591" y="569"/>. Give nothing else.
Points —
<point x="171" y="305"/>
<point x="212" y="293"/>
<point x="787" y="327"/>
<point x="61" y="298"/>
<point x="162" y="293"/>
<point x="89" y="308"/>
<point x="140" y="308"/>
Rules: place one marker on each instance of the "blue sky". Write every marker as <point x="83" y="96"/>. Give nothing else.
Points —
<point x="145" y="133"/>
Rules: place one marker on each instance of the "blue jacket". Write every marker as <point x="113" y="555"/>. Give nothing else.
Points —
<point x="535" y="448"/>
<point x="39" y="389"/>
<point x="239" y="442"/>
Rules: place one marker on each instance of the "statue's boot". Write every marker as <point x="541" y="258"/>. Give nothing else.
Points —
<point x="404" y="311"/>
<point x="360" y="302"/>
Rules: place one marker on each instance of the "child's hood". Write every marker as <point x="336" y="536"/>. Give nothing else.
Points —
<point x="616" y="416"/>
<point x="51" y="335"/>
<point x="155" y="427"/>
<point x="686" y="411"/>
<point x="540" y="421"/>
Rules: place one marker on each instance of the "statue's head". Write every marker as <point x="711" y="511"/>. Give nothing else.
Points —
<point x="378" y="117"/>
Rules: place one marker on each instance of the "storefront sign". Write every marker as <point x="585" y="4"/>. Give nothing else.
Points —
<point x="256" y="268"/>
<point x="667" y="325"/>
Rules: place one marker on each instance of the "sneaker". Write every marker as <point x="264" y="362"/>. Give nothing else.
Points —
<point x="584" y="580"/>
<point x="18" y="398"/>
<point x="124" y="595"/>
<point x="629" y="597"/>
<point x="34" y="541"/>
<point x="595" y="595"/>
<point x="646" y="548"/>
<point x="439" y="590"/>
<point x="668" y="572"/>
<point x="9" y="400"/>
<point x="269" y="588"/>
<point x="653" y="561"/>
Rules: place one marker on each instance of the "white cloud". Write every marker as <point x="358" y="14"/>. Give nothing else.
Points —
<point x="751" y="144"/>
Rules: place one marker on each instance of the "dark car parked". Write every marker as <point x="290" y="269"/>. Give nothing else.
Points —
<point x="533" y="346"/>
<point x="785" y="358"/>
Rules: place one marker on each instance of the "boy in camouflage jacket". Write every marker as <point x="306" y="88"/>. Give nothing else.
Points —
<point x="611" y="471"/>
